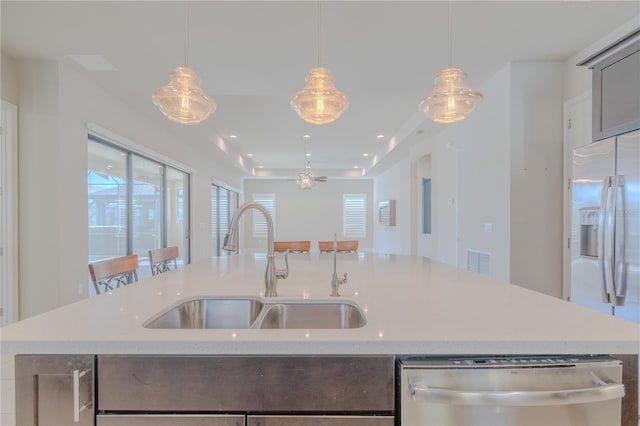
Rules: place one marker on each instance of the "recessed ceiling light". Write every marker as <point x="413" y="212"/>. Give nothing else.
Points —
<point x="233" y="136"/>
<point x="307" y="136"/>
<point x="307" y="155"/>
<point x="380" y="136"/>
<point x="365" y="155"/>
<point x="249" y="155"/>
<point x="356" y="167"/>
<point x="260" y="167"/>
<point x="93" y="62"/>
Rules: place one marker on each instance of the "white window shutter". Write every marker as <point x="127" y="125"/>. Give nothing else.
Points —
<point x="354" y="214"/>
<point x="268" y="201"/>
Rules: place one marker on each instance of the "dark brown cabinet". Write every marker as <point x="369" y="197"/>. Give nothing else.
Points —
<point x="616" y="87"/>
<point x="54" y="390"/>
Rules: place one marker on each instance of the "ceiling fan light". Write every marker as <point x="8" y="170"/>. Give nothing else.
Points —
<point x="451" y="99"/>
<point x="183" y="100"/>
<point x="305" y="180"/>
<point x="319" y="102"/>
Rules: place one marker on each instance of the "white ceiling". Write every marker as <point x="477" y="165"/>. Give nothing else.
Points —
<point x="252" y="56"/>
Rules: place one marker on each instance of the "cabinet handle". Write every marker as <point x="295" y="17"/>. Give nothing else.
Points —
<point x="77" y="375"/>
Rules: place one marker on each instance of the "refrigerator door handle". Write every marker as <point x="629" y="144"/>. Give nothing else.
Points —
<point x="620" y="276"/>
<point x="604" y="252"/>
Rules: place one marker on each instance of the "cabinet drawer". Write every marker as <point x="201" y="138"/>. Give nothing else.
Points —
<point x="320" y="421"/>
<point x="170" y="420"/>
<point x="250" y="383"/>
<point x="54" y="390"/>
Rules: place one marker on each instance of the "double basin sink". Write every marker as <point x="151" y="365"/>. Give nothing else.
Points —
<point x="255" y="313"/>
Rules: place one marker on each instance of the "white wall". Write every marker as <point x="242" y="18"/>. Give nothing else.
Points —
<point x="536" y="176"/>
<point x="501" y="168"/>
<point x="395" y="184"/>
<point x="475" y="178"/>
<point x="469" y="167"/>
<point x="40" y="162"/>
<point x="9" y="76"/>
<point x="313" y="214"/>
<point x="55" y="102"/>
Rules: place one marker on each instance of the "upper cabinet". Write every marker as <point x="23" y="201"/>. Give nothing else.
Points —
<point x="616" y="87"/>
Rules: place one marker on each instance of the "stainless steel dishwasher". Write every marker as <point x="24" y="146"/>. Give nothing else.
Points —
<point x="510" y="391"/>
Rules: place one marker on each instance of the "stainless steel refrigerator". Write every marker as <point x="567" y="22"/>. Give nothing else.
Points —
<point x="605" y="234"/>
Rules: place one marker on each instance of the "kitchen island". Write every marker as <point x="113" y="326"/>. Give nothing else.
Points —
<point x="411" y="306"/>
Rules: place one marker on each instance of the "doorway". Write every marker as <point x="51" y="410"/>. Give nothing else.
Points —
<point x="8" y="213"/>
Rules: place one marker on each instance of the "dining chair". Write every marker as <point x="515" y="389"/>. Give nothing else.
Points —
<point x="345" y="246"/>
<point x="113" y="273"/>
<point x="163" y="259"/>
<point x="325" y="246"/>
<point x="292" y="246"/>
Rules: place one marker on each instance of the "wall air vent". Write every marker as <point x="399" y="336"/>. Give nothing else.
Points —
<point x="479" y="262"/>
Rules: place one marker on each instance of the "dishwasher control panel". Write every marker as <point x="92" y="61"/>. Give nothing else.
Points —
<point x="502" y="361"/>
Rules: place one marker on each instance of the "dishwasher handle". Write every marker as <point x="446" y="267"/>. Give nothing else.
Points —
<point x="601" y="392"/>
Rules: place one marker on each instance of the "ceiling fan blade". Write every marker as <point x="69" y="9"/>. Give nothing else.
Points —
<point x="321" y="178"/>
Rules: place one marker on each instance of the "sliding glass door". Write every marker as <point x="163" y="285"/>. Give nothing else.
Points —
<point x="135" y="204"/>
<point x="224" y="203"/>
<point x="177" y="216"/>
<point x="107" y="202"/>
<point x="148" y="220"/>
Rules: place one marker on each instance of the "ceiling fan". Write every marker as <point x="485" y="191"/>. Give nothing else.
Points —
<point x="306" y="179"/>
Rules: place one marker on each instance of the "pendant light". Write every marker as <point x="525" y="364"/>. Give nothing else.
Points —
<point x="183" y="100"/>
<point x="319" y="102"/>
<point x="305" y="179"/>
<point x="451" y="99"/>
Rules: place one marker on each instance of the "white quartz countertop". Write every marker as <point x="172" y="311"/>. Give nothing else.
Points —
<point x="412" y="305"/>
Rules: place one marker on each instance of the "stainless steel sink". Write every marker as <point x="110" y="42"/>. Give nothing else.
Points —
<point x="209" y="313"/>
<point x="313" y="315"/>
<point x="248" y="312"/>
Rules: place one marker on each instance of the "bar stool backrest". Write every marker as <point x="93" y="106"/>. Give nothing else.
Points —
<point x="163" y="259"/>
<point x="113" y="273"/>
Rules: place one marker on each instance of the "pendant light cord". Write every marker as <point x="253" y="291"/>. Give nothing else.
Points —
<point x="319" y="33"/>
<point x="186" y="32"/>
<point x="449" y="37"/>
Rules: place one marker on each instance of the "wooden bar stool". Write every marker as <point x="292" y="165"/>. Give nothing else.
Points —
<point x="161" y="259"/>
<point x="113" y="273"/>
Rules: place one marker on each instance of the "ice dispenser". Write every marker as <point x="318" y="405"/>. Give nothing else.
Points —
<point x="589" y="231"/>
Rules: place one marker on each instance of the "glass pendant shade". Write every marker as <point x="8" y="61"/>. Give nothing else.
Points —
<point x="182" y="100"/>
<point x="305" y="180"/>
<point x="451" y="99"/>
<point x="319" y="102"/>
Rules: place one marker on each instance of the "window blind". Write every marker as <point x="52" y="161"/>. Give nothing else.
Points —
<point x="268" y="201"/>
<point x="354" y="214"/>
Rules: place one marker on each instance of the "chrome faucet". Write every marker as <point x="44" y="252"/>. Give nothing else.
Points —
<point x="335" y="281"/>
<point x="271" y="274"/>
